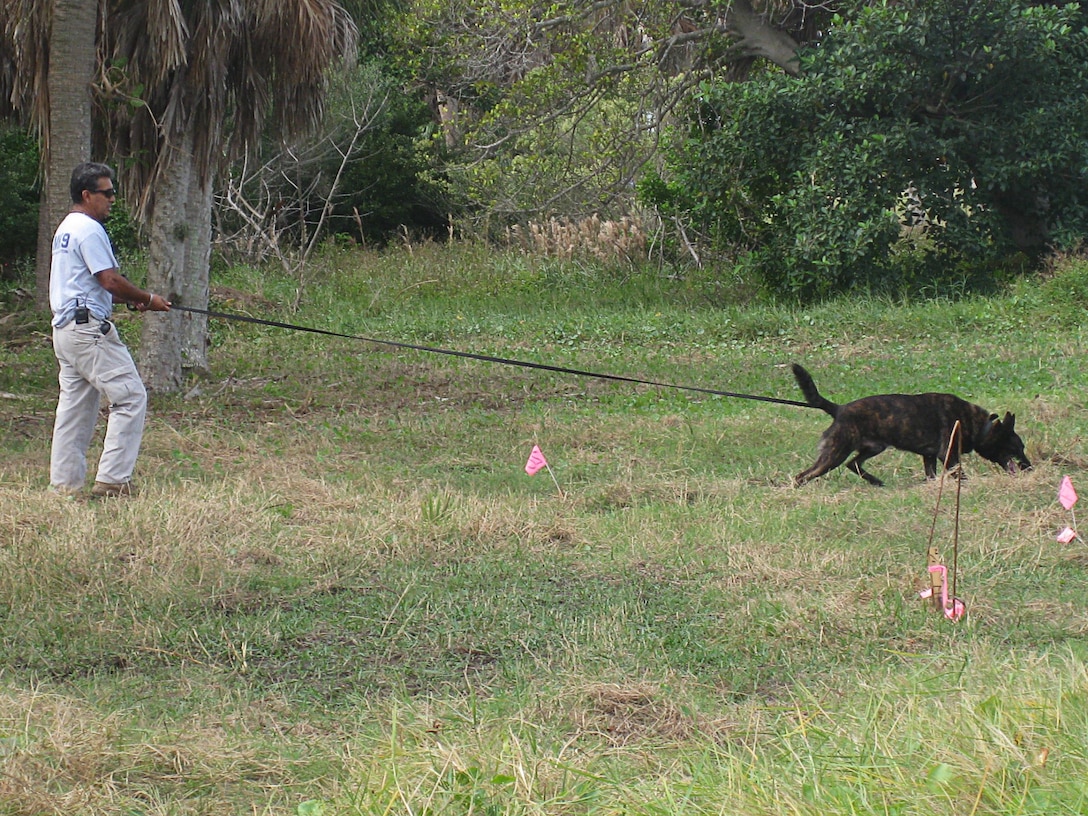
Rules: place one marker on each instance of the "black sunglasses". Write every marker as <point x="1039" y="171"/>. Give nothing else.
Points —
<point x="110" y="193"/>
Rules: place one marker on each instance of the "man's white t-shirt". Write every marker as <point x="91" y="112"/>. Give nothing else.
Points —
<point x="81" y="249"/>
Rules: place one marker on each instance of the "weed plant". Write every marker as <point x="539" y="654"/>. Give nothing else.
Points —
<point x="339" y="592"/>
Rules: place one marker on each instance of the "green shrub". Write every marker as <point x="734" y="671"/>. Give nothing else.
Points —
<point x="19" y="204"/>
<point x="964" y="125"/>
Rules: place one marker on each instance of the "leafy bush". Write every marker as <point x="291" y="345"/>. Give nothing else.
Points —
<point x="923" y="145"/>
<point x="391" y="183"/>
<point x="19" y="204"/>
<point x="125" y="233"/>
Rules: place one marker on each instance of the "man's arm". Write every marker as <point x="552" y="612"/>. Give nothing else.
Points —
<point x="125" y="291"/>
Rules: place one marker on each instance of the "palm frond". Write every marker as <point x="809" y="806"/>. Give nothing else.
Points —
<point x="24" y="40"/>
<point x="226" y="69"/>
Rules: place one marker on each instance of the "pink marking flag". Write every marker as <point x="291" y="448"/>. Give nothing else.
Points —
<point x="536" y="461"/>
<point x="1066" y="494"/>
<point x="953" y="610"/>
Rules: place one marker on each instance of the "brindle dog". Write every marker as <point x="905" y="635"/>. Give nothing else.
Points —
<point x="918" y="423"/>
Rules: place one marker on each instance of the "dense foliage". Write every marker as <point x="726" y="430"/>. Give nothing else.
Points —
<point x="19" y="204"/>
<point x="552" y="110"/>
<point x="924" y="144"/>
<point x="395" y="182"/>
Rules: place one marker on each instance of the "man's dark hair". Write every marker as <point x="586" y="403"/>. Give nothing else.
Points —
<point x="86" y="176"/>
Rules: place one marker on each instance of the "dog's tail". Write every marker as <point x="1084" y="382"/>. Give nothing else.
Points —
<point x="812" y="396"/>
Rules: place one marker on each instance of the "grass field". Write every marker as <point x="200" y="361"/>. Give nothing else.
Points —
<point x="339" y="592"/>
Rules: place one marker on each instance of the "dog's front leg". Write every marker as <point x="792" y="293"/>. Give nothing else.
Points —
<point x="930" y="464"/>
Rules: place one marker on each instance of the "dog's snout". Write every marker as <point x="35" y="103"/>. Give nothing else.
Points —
<point x="1015" y="466"/>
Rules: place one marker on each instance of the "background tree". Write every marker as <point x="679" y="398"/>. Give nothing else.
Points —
<point x="847" y="128"/>
<point x="967" y="120"/>
<point x="556" y="108"/>
<point x="367" y="171"/>
<point x="184" y="87"/>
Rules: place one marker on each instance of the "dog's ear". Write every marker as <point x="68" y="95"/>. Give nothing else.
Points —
<point x="992" y="426"/>
<point x="1002" y="428"/>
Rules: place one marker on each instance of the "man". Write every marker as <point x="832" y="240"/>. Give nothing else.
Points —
<point x="84" y="283"/>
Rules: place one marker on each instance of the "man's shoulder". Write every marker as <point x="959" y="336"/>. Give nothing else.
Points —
<point x="79" y="229"/>
<point x="80" y="223"/>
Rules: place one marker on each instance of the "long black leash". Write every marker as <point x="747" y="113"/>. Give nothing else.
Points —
<point x="487" y="358"/>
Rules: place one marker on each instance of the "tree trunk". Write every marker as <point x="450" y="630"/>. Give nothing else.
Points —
<point x="170" y="237"/>
<point x="67" y="140"/>
<point x="758" y="38"/>
<point x="193" y="289"/>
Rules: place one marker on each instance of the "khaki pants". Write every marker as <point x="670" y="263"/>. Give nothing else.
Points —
<point x="93" y="365"/>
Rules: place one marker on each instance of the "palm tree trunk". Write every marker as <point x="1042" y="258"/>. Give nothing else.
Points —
<point x="195" y="284"/>
<point x="175" y="344"/>
<point x="68" y="136"/>
<point x="170" y="237"/>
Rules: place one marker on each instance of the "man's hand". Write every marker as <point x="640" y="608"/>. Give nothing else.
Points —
<point x="154" y="303"/>
<point x="126" y="292"/>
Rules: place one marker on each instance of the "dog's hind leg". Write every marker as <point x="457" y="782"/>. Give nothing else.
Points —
<point x="930" y="464"/>
<point x="828" y="458"/>
<point x="865" y="453"/>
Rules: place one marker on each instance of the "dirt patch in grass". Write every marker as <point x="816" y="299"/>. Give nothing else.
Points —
<point x="639" y="712"/>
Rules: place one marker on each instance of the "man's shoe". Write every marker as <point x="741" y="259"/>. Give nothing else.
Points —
<point x="65" y="492"/>
<point x="106" y="490"/>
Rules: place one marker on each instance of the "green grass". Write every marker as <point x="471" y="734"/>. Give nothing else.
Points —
<point x="340" y="593"/>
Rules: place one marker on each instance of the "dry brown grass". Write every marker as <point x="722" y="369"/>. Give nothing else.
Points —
<point x="62" y="756"/>
<point x="621" y="240"/>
